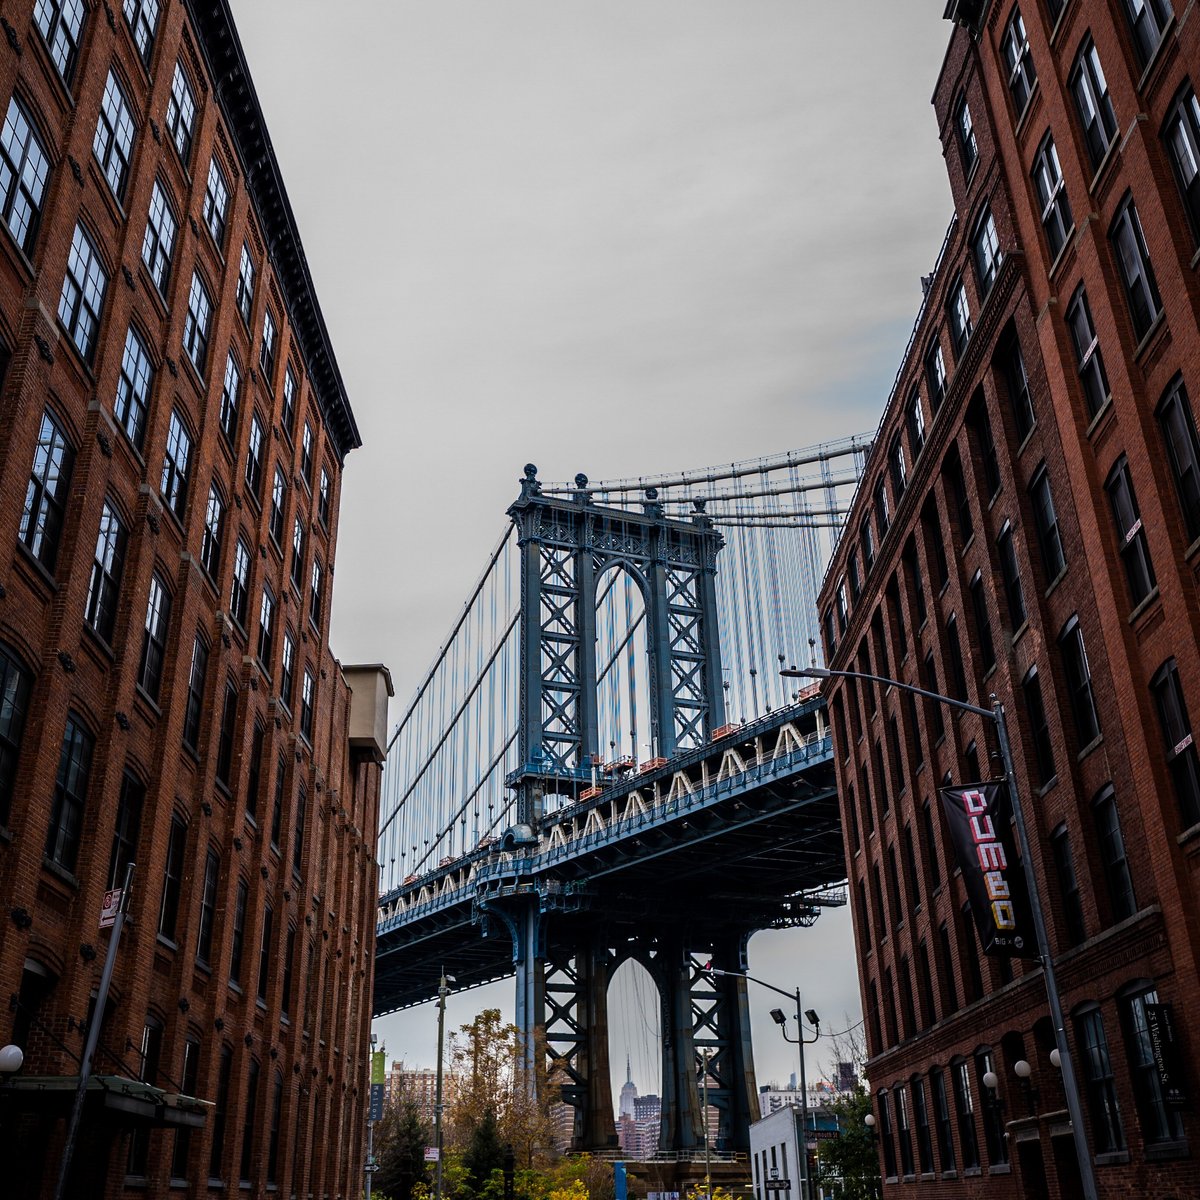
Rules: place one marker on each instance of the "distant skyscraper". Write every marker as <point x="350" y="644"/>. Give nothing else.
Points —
<point x="628" y="1092"/>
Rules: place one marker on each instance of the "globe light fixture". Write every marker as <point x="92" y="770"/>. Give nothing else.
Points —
<point x="11" y="1058"/>
<point x="1022" y="1070"/>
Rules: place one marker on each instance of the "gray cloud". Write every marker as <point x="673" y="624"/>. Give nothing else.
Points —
<point x="623" y="238"/>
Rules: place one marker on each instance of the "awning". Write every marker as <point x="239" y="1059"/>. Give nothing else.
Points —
<point x="126" y="1101"/>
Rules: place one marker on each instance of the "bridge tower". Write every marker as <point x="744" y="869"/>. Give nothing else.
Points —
<point x="567" y="543"/>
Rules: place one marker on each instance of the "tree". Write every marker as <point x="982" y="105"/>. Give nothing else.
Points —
<point x="400" y="1141"/>
<point x="484" y="1153"/>
<point x="849" y="1162"/>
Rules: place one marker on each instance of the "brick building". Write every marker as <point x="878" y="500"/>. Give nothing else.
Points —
<point x="173" y="426"/>
<point x="1028" y="526"/>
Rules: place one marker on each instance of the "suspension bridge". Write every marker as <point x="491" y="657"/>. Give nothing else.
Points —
<point x="603" y="763"/>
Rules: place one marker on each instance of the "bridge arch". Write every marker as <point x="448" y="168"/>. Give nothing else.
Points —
<point x="626" y="729"/>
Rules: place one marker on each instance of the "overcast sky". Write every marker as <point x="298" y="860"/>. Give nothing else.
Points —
<point x="618" y="238"/>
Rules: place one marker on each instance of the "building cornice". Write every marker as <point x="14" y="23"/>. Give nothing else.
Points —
<point x="234" y="88"/>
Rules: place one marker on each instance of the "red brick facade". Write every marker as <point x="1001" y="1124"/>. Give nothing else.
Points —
<point x="245" y="971"/>
<point x="1007" y="558"/>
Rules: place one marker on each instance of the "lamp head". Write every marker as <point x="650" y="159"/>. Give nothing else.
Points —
<point x="810" y="1015"/>
<point x="804" y="673"/>
<point x="990" y="1080"/>
<point x="869" y="1120"/>
<point x="1055" y="1057"/>
<point x="777" y="1015"/>
<point x="11" y="1058"/>
<point x="1021" y="1069"/>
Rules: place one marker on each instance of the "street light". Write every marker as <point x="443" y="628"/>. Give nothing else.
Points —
<point x="1062" y="1048"/>
<point x="780" y="1019"/>
<point x="11" y="1060"/>
<point x="443" y="992"/>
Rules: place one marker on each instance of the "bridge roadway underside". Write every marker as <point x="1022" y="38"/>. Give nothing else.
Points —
<point x="712" y="871"/>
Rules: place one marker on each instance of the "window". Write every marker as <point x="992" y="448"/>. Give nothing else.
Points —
<point x="238" y="940"/>
<point x="1177" y="734"/>
<point x="912" y="569"/>
<point x="980" y="424"/>
<point x="1159" y="1122"/>
<point x="1181" y="133"/>
<point x="254" y="458"/>
<point x="298" y="839"/>
<point x="1131" y="535"/>
<point x="181" y="114"/>
<point x="306" y="705"/>
<point x="1068" y="886"/>
<point x="113" y="143"/>
<point x="249" y="1121"/>
<point x="168" y="911"/>
<point x="993" y="1115"/>
<point x="958" y="498"/>
<point x="1079" y="682"/>
<point x="1148" y="19"/>
<point x="306" y="455"/>
<point x="896" y="468"/>
<point x="287" y="670"/>
<point x="189" y="1080"/>
<point x="323" y="517"/>
<point x="867" y="541"/>
<point x="941" y="1113"/>
<point x="104" y="586"/>
<point x="208" y="906"/>
<point x="142" y="16"/>
<point x="964" y="1107"/>
<point x="885" y="1135"/>
<point x="935" y="375"/>
<point x="903" y="1129"/>
<point x="24" y="169"/>
<point x="60" y="22"/>
<point x="277" y="803"/>
<point x="254" y="778"/>
<point x="1039" y="727"/>
<point x="195" y="694"/>
<point x="1052" y="196"/>
<point x="196" y="325"/>
<point x="1054" y="8"/>
<point x="883" y="515"/>
<point x="1093" y="103"/>
<point x="70" y="795"/>
<point x="159" y="239"/>
<point x="983" y="625"/>
<point x="245" y="284"/>
<point x="14" y="702"/>
<point x="956" y="676"/>
<point x="220" y="1113"/>
<point x="958" y="309"/>
<point x="1013" y="591"/>
<point x="1107" y="1134"/>
<point x="82" y="297"/>
<point x="154" y="637"/>
<point x="965" y="129"/>
<point x="126" y="829"/>
<point x="289" y="400"/>
<point x="1133" y="262"/>
<point x="46" y="493"/>
<point x="230" y="389"/>
<point x="1014" y="46"/>
<point x="264" y="954"/>
<point x="1117" y="877"/>
<point x="986" y="245"/>
<point x="239" y="594"/>
<point x="931" y="856"/>
<point x="951" y="997"/>
<point x="216" y="202"/>
<point x="1046" y="520"/>
<point x="298" y="554"/>
<point x="266" y="629"/>
<point x="273" y="1132"/>
<point x="176" y="463"/>
<point x="133" y="388"/>
<point x="914" y="419"/>
<point x="214" y="528"/>
<point x="225" y="739"/>
<point x="314" y="598"/>
<point x="266" y="354"/>
<point x="1183" y="453"/>
<point x="933" y="710"/>
<point x="1088" y="359"/>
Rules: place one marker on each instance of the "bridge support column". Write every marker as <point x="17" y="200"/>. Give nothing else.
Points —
<point x="530" y="1014"/>
<point x="736" y="1064"/>
<point x="682" y="1127"/>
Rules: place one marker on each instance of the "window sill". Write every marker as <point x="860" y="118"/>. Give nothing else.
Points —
<point x="1143" y="606"/>
<point x="42" y="575"/>
<point x="1000" y="1169"/>
<point x="166" y="943"/>
<point x="1046" y="787"/>
<point x="951" y="1174"/>
<point x="1195" y="259"/>
<point x="60" y="872"/>
<point x="1098" y="740"/>
<point x="1055" y="582"/>
<point x="216" y="1185"/>
<point x="1105" y="169"/>
<point x="1100" y="419"/>
<point x="1162" y="1151"/>
<point x="967" y="545"/>
<point x="1157" y="327"/>
<point x="236" y="988"/>
<point x="972" y="1172"/>
<point x="260" y="1004"/>
<point x="1020" y="631"/>
<point x="98" y="642"/>
<point x="1027" y="438"/>
<point x="1066" y="252"/>
<point x="1031" y="103"/>
<point x="1114" y="1158"/>
<point x="1191" y="834"/>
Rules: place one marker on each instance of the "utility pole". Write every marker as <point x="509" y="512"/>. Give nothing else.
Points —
<point x="93" y="1037"/>
<point x="443" y="992"/>
<point x="704" y="1118"/>
<point x="805" y="1182"/>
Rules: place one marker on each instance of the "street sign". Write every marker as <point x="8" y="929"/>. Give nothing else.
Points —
<point x="377" y="1097"/>
<point x="112" y="903"/>
<point x="379" y="1066"/>
<point x="431" y="1154"/>
<point x="777" y="1185"/>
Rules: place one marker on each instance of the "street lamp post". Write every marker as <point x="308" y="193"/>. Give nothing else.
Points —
<point x="995" y="714"/>
<point x="443" y="992"/>
<point x="777" y="1015"/>
<point x="704" y="1112"/>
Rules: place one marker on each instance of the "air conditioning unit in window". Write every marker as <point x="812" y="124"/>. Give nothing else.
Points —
<point x="967" y="13"/>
